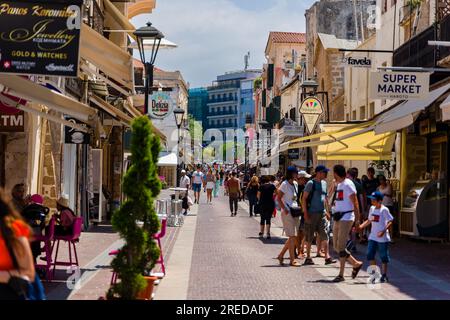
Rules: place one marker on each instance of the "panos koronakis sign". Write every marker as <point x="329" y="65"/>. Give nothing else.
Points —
<point x="40" y="37"/>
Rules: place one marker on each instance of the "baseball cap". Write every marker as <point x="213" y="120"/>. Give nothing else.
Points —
<point x="291" y="169"/>
<point x="183" y="171"/>
<point x="377" y="195"/>
<point x="322" y="168"/>
<point x="304" y="174"/>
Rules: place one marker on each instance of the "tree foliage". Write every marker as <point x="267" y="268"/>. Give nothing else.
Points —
<point x="141" y="186"/>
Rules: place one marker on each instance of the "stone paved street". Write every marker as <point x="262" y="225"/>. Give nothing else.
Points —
<point x="230" y="261"/>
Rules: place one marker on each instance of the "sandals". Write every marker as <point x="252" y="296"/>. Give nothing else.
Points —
<point x="339" y="279"/>
<point x="308" y="262"/>
<point x="281" y="260"/>
<point x="356" y="271"/>
<point x="294" y="264"/>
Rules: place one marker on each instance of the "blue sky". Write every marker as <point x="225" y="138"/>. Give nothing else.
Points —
<point x="214" y="35"/>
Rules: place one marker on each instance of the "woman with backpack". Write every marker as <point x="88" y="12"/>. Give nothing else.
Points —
<point x="16" y="260"/>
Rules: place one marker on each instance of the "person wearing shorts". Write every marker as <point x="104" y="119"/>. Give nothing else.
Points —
<point x="346" y="213"/>
<point x="380" y="219"/>
<point x="288" y="198"/>
<point x="316" y="211"/>
<point x="197" y="180"/>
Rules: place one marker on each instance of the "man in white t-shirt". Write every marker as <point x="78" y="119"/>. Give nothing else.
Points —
<point x="184" y="180"/>
<point x="346" y="213"/>
<point x="197" y="181"/>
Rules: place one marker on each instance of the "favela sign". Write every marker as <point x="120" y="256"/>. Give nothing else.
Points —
<point x="40" y="37"/>
<point x="312" y="110"/>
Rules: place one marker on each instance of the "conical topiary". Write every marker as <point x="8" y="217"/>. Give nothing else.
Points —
<point x="141" y="186"/>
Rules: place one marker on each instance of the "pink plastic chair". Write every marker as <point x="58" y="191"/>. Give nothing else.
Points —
<point x="47" y="240"/>
<point x="71" y="239"/>
<point x="114" y="274"/>
<point x="158" y="238"/>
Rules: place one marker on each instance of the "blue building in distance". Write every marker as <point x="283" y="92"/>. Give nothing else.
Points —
<point x="198" y="104"/>
<point x="230" y="100"/>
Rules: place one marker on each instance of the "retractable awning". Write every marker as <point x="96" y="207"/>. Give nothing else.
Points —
<point x="355" y="144"/>
<point x="404" y="114"/>
<point x="140" y="7"/>
<point x="115" y="62"/>
<point x="113" y="111"/>
<point x="117" y="16"/>
<point x="34" y="92"/>
<point x="314" y="139"/>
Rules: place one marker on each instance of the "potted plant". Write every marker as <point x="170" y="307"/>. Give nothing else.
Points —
<point x="141" y="186"/>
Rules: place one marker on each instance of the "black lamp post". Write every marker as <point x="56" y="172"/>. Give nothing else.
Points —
<point x="246" y="154"/>
<point x="179" y="115"/>
<point x="309" y="88"/>
<point x="148" y="33"/>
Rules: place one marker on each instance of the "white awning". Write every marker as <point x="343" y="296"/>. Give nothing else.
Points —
<point x="115" y="62"/>
<point x="28" y="90"/>
<point x="404" y="114"/>
<point x="168" y="160"/>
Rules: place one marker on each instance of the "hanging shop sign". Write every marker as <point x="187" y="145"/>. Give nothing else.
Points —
<point x="312" y="110"/>
<point x="12" y="122"/>
<point x="73" y="136"/>
<point x="294" y="154"/>
<point x="161" y="105"/>
<point x="40" y="37"/>
<point x="399" y="85"/>
<point x="358" y="62"/>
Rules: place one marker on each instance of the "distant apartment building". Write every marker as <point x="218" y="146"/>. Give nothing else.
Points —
<point x="230" y="100"/>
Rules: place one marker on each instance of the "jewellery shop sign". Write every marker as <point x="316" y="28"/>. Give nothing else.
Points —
<point x="40" y="37"/>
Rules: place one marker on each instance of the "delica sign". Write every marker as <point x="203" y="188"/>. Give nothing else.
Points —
<point x="399" y="85"/>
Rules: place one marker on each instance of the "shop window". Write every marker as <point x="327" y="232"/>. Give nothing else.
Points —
<point x="362" y="112"/>
<point x="371" y="109"/>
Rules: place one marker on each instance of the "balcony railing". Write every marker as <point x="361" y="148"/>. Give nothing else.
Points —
<point x="221" y="100"/>
<point x="223" y="113"/>
<point x="416" y="52"/>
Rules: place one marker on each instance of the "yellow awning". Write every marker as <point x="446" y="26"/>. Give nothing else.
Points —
<point x="105" y="55"/>
<point x="314" y="138"/>
<point x="344" y="142"/>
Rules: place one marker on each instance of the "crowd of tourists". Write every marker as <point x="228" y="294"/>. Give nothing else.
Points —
<point x="345" y="212"/>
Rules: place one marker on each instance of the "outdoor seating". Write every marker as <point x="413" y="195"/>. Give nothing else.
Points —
<point x="47" y="248"/>
<point x="71" y="240"/>
<point x="158" y="238"/>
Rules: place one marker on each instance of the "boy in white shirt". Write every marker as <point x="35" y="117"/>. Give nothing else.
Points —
<point x="381" y="219"/>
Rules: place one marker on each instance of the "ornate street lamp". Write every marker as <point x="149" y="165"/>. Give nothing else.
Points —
<point x="152" y="34"/>
<point x="179" y="115"/>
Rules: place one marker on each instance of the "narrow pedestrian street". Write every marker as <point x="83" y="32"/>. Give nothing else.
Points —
<point x="228" y="260"/>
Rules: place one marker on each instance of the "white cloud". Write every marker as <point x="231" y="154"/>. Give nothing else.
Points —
<point x="214" y="35"/>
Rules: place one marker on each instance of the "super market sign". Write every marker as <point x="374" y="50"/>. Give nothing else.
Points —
<point x="399" y="85"/>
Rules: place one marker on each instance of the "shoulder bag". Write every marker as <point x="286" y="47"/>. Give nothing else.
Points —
<point x="295" y="211"/>
<point x="26" y="290"/>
